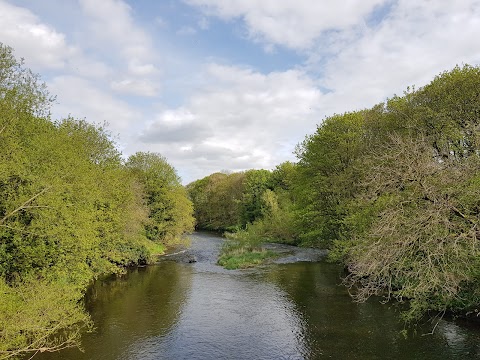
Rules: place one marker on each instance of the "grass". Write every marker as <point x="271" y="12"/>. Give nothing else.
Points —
<point x="246" y="259"/>
<point x="240" y="253"/>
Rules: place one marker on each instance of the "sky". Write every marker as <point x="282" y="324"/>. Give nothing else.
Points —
<point x="229" y="85"/>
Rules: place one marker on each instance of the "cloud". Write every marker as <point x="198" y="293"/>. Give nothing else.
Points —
<point x="135" y="87"/>
<point x="415" y="42"/>
<point x="292" y="23"/>
<point x="175" y="126"/>
<point x="81" y="98"/>
<point x="43" y="46"/>
<point x="238" y="119"/>
<point x="368" y="57"/>
<point x="111" y="23"/>
<point x="113" y="30"/>
<point x="39" y="43"/>
<point x="86" y="67"/>
<point x="353" y="54"/>
<point x="139" y="69"/>
<point x="218" y="158"/>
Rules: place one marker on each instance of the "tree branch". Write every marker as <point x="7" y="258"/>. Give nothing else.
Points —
<point x="459" y="213"/>
<point x="24" y="205"/>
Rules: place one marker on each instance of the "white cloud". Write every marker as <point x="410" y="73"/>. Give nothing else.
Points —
<point x="292" y="23"/>
<point x="139" y="69"/>
<point x="239" y="119"/>
<point x="81" y="98"/>
<point x="113" y="31"/>
<point x="135" y="87"/>
<point x="175" y="126"/>
<point x="358" y="65"/>
<point x="112" y="24"/>
<point x="231" y="116"/>
<point x="43" y="46"/>
<point x="39" y="43"/>
<point x="417" y="40"/>
<point x="89" y="68"/>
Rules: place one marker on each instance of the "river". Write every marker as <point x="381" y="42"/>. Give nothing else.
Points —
<point x="295" y="309"/>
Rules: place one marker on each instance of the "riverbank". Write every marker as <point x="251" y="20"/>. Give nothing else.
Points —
<point x="180" y="310"/>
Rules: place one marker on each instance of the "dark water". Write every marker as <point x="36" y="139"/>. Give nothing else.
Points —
<point x="177" y="310"/>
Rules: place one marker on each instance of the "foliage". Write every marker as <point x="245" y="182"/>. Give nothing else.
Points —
<point x="422" y="242"/>
<point x="70" y="211"/>
<point x="20" y="89"/>
<point x="170" y="211"/>
<point x="217" y="201"/>
<point x="326" y="178"/>
<point x="255" y="199"/>
<point x="277" y="223"/>
<point x="242" y="251"/>
<point x="411" y="227"/>
<point x="240" y="258"/>
<point x="255" y="184"/>
<point x="40" y="316"/>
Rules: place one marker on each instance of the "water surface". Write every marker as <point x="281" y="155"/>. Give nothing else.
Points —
<point x="292" y="310"/>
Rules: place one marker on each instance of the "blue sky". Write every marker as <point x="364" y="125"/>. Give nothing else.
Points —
<point x="232" y="84"/>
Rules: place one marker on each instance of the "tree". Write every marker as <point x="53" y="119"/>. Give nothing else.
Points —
<point x="413" y="221"/>
<point x="255" y="184"/>
<point x="326" y="179"/>
<point x="416" y="222"/>
<point x="69" y="212"/>
<point x="170" y="210"/>
<point x="217" y="201"/>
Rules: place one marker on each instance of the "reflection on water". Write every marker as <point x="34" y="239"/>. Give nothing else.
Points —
<point x="227" y="317"/>
<point x="338" y="328"/>
<point x="176" y="310"/>
<point x="144" y="303"/>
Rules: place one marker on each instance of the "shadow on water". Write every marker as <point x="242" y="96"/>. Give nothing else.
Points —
<point x="183" y="310"/>
<point x="338" y="328"/>
<point x="127" y="309"/>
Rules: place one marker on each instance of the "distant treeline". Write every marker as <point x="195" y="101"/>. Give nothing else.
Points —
<point x="71" y="210"/>
<point x="393" y="192"/>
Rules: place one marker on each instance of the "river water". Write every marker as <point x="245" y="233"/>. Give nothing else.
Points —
<point x="295" y="309"/>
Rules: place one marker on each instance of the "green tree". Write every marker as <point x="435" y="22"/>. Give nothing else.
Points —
<point x="69" y="212"/>
<point x="413" y="220"/>
<point x="170" y="210"/>
<point x="326" y="179"/>
<point x="217" y="201"/>
<point x="255" y="184"/>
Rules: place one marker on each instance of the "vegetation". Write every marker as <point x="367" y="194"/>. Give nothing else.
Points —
<point x="413" y="224"/>
<point x="168" y="206"/>
<point x="257" y="198"/>
<point x="70" y="211"/>
<point x="217" y="200"/>
<point x="393" y="192"/>
<point x="242" y="250"/>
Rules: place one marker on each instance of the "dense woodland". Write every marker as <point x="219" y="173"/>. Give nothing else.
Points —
<point x="392" y="191"/>
<point x="71" y="210"/>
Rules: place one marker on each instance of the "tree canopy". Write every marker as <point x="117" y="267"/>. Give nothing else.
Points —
<point x="392" y="191"/>
<point x="70" y="211"/>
